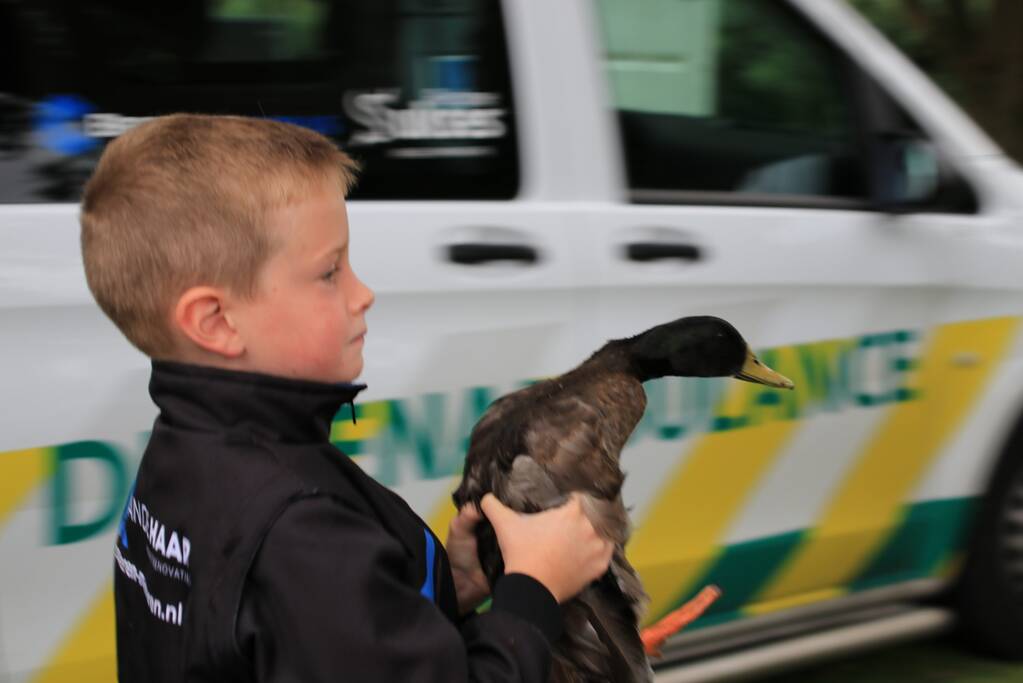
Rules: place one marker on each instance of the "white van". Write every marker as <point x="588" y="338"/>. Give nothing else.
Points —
<point x="540" y="176"/>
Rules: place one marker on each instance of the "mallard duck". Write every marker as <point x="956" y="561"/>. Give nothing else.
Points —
<point x="535" y="446"/>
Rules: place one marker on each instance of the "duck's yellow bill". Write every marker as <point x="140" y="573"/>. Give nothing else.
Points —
<point x="755" y="371"/>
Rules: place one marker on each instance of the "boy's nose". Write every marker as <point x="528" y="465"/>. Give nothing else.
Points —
<point x="364" y="295"/>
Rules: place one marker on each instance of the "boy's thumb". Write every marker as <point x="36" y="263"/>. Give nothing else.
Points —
<point x="494" y="509"/>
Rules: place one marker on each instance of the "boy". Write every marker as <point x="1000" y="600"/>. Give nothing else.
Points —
<point x="250" y="548"/>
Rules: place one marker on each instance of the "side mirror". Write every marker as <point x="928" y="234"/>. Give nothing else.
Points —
<point x="905" y="172"/>
<point x="920" y="170"/>
<point x="910" y="175"/>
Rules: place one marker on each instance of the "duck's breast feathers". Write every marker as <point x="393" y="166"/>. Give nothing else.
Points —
<point x="580" y="434"/>
<point x="574" y="426"/>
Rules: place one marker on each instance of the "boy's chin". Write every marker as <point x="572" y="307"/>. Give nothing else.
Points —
<point x="339" y="375"/>
<point x="348" y="373"/>
<point x="350" y="376"/>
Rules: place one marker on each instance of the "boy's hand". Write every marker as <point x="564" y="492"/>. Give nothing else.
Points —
<point x="471" y="586"/>
<point x="557" y="547"/>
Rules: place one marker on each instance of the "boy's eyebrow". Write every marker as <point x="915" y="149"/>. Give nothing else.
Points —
<point x="335" y="251"/>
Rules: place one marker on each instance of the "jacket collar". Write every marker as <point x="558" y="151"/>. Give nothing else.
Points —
<point x="203" y="398"/>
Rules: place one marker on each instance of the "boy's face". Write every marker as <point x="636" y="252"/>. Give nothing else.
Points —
<point x="307" y="320"/>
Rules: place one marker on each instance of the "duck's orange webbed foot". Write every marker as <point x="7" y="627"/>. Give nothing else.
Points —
<point x="653" y="636"/>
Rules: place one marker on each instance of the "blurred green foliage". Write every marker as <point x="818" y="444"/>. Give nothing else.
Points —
<point x="971" y="48"/>
<point x="770" y="75"/>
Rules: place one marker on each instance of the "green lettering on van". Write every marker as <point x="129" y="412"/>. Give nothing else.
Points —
<point x="822" y="374"/>
<point x="427" y="436"/>
<point x="901" y="365"/>
<point x="66" y="457"/>
<point x="419" y="436"/>
<point x="864" y="347"/>
<point x="724" y="423"/>
<point x="475" y="403"/>
<point x="421" y="431"/>
<point x="659" y="419"/>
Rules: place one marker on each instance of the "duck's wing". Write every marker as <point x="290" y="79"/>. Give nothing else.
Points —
<point x="574" y="429"/>
<point x="495" y="441"/>
<point x="577" y="434"/>
<point x="600" y="641"/>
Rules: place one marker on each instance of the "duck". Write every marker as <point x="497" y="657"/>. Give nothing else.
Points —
<point x="534" y="447"/>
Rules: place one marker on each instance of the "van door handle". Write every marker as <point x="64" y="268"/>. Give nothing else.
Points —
<point x="660" y="251"/>
<point x="476" y="253"/>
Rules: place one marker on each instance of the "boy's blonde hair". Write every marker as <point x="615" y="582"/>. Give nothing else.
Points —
<point x="185" y="200"/>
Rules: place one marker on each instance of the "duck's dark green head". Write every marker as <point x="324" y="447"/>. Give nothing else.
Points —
<point x="699" y="346"/>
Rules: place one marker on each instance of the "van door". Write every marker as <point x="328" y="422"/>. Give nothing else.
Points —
<point x="750" y="195"/>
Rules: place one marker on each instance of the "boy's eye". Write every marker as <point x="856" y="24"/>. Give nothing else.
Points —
<point x="330" y="274"/>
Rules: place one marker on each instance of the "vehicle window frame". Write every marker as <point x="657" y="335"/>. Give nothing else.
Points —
<point x="860" y="128"/>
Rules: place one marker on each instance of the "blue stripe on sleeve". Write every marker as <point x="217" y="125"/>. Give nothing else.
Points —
<point x="427" y="589"/>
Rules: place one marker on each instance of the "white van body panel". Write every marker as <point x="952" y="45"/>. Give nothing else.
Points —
<point x="567" y="142"/>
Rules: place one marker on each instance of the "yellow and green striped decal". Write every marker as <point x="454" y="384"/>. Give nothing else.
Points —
<point x="370" y="418"/>
<point x="23" y="472"/>
<point x="928" y="543"/>
<point x="700" y="500"/>
<point x="88" y="653"/>
<point x="866" y="509"/>
<point x="444" y="511"/>
<point x="704" y="495"/>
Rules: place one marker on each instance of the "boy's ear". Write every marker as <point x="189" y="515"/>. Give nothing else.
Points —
<point x="201" y="315"/>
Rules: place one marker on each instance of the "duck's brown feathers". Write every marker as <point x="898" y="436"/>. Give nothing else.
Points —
<point x="574" y="426"/>
<point x="531" y="449"/>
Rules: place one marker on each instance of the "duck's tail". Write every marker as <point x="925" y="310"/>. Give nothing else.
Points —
<point x="653" y="637"/>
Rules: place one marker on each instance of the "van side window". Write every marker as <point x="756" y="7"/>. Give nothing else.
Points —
<point x="417" y="90"/>
<point x="729" y="96"/>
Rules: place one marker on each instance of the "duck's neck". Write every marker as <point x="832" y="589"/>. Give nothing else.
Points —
<point x="644" y="356"/>
<point x="618" y="356"/>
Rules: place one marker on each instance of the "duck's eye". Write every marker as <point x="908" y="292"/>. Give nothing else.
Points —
<point x="757" y="361"/>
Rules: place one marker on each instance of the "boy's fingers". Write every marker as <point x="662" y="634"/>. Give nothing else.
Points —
<point x="470" y="513"/>
<point x="494" y="509"/>
<point x="467" y="518"/>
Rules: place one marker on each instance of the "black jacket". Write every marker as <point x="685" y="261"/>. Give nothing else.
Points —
<point x="251" y="549"/>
